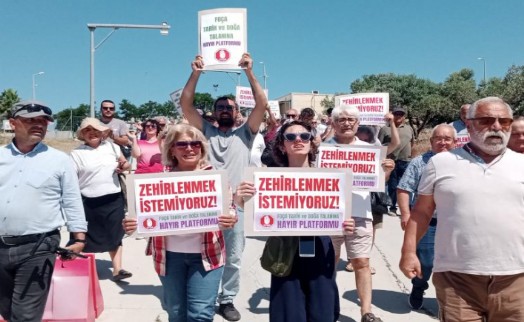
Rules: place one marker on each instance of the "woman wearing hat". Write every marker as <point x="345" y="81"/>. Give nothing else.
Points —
<point x="98" y="163"/>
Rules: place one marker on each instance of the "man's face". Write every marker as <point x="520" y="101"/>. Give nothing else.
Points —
<point x="516" y="140"/>
<point x="399" y="118"/>
<point x="443" y="139"/>
<point x="346" y="125"/>
<point x="490" y="129"/>
<point x="291" y="114"/>
<point x="464" y="112"/>
<point x="225" y="113"/>
<point x="108" y="110"/>
<point x="29" y="131"/>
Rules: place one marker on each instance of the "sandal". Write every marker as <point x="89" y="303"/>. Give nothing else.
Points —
<point x="122" y="274"/>
<point x="373" y="271"/>
<point x="349" y="267"/>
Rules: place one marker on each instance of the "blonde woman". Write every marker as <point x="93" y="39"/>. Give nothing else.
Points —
<point x="97" y="163"/>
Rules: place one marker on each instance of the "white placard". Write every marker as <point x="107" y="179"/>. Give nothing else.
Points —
<point x="175" y="98"/>
<point x="244" y="97"/>
<point x="372" y="106"/>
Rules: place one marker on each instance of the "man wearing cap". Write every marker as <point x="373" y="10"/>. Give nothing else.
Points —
<point x="230" y="150"/>
<point x="39" y="192"/>
<point x="118" y="127"/>
<point x="401" y="155"/>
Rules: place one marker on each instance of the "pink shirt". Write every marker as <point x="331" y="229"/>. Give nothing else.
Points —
<point x="150" y="160"/>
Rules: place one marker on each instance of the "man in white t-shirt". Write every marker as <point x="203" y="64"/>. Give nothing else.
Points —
<point x="358" y="244"/>
<point x="477" y="191"/>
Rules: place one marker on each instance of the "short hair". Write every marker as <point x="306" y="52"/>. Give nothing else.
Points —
<point x="173" y="133"/>
<point x="487" y="100"/>
<point x="107" y="101"/>
<point x="351" y="110"/>
<point x="225" y="98"/>
<point x="368" y="131"/>
<point x="307" y="112"/>
<point x="449" y="126"/>
<point x="280" y="157"/>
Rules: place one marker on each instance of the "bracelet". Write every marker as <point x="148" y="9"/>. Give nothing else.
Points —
<point x="83" y="241"/>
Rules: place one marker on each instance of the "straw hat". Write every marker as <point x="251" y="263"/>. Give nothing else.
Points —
<point x="95" y="124"/>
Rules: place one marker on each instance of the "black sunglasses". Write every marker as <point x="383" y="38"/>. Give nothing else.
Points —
<point x="34" y="108"/>
<point x="185" y="144"/>
<point x="304" y="136"/>
<point x="224" y="108"/>
<point x="107" y="108"/>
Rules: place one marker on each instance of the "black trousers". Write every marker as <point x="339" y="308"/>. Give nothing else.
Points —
<point x="310" y="292"/>
<point x="25" y="278"/>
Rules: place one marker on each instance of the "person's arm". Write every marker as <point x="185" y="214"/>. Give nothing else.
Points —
<point x="72" y="207"/>
<point x="272" y="121"/>
<point x="135" y="148"/>
<point x="416" y="228"/>
<point x="256" y="116"/>
<point x="120" y="140"/>
<point x="395" y="137"/>
<point x="188" y="95"/>
<point x="403" y="205"/>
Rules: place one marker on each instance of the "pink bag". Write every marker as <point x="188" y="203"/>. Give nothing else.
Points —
<point x="75" y="294"/>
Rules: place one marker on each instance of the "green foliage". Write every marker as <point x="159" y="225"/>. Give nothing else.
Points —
<point x="70" y="119"/>
<point x="328" y="103"/>
<point x="204" y="101"/>
<point x="513" y="84"/>
<point x="7" y="99"/>
<point x="459" y="88"/>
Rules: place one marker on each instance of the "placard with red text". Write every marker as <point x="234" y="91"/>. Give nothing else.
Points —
<point x="363" y="160"/>
<point x="297" y="201"/>
<point x="222" y="35"/>
<point x="173" y="203"/>
<point x="245" y="98"/>
<point x="462" y="139"/>
<point x="372" y="106"/>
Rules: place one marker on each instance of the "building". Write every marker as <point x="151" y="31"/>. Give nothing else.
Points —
<point x="301" y="100"/>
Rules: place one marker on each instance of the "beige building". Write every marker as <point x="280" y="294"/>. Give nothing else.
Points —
<point x="301" y="100"/>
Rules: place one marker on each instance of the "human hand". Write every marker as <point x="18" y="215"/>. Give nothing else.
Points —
<point x="349" y="226"/>
<point x="404" y="218"/>
<point x="410" y="265"/>
<point x="388" y="117"/>
<point x="198" y="64"/>
<point x="245" y="190"/>
<point x="130" y="225"/>
<point x="227" y="221"/>
<point x="246" y="61"/>
<point x="388" y="165"/>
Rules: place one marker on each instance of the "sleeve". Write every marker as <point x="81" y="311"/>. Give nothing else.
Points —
<point x="428" y="179"/>
<point x="383" y="135"/>
<point x="410" y="178"/>
<point x="122" y="128"/>
<point x="72" y="207"/>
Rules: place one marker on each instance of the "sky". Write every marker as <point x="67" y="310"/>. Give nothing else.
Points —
<point x="304" y="45"/>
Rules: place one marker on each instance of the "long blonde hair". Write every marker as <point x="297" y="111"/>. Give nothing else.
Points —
<point x="173" y="134"/>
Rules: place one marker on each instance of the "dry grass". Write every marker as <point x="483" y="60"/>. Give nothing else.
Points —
<point x="422" y="145"/>
<point x="65" y="145"/>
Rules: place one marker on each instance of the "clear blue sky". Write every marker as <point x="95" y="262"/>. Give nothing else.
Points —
<point x="305" y="45"/>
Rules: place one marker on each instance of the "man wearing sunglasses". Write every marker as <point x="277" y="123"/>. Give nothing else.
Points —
<point x="477" y="191"/>
<point x="39" y="193"/>
<point x="230" y="150"/>
<point x="118" y="127"/>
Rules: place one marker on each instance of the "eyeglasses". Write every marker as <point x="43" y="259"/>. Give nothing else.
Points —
<point x="304" y="136"/>
<point x="398" y="114"/>
<point x="34" y="108"/>
<point x="184" y="144"/>
<point x="153" y="126"/>
<point x="224" y="108"/>
<point x="291" y="116"/>
<point x="343" y="120"/>
<point x="489" y="121"/>
<point x="445" y="139"/>
<point x="107" y="108"/>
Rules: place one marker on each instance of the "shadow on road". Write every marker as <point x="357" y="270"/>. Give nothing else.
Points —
<point x="256" y="298"/>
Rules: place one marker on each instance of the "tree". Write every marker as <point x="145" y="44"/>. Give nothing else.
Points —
<point x="70" y="119"/>
<point x="7" y="99"/>
<point x="459" y="88"/>
<point x="513" y="84"/>
<point x="203" y="101"/>
<point x="127" y="110"/>
<point x="493" y="87"/>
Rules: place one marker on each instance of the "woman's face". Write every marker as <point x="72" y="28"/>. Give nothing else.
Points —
<point x="92" y="137"/>
<point x="187" y="152"/>
<point x="150" y="128"/>
<point x="297" y="140"/>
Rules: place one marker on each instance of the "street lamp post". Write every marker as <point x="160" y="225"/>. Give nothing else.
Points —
<point x="164" y="31"/>
<point x="34" y="84"/>
<point x="264" y="75"/>
<point x="484" y="61"/>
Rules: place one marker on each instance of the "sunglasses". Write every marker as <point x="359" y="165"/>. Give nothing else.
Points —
<point x="184" y="144"/>
<point x="34" y="108"/>
<point x="153" y="126"/>
<point x="304" y="136"/>
<point x="291" y="115"/>
<point x="488" y="121"/>
<point x="107" y="108"/>
<point x="228" y="108"/>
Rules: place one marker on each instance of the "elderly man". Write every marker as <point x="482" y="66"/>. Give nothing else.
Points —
<point x="479" y="245"/>
<point x="345" y="124"/>
<point x="516" y="140"/>
<point x="442" y="139"/>
<point x="460" y="126"/>
<point x="38" y="190"/>
<point x="230" y="150"/>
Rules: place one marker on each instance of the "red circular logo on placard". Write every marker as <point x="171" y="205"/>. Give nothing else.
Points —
<point x="222" y="55"/>
<point x="267" y="221"/>
<point x="149" y="223"/>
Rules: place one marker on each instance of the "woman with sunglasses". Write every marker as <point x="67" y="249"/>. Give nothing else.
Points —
<point x="189" y="266"/>
<point x="147" y="151"/>
<point x="97" y="163"/>
<point x="309" y="293"/>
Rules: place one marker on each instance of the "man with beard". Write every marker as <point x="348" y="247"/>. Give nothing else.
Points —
<point x="39" y="193"/>
<point x="479" y="244"/>
<point x="230" y="150"/>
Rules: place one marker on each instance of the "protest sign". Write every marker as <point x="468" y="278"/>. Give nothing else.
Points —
<point x="372" y="106"/>
<point x="244" y="97"/>
<point x="173" y="203"/>
<point x="297" y="201"/>
<point x="222" y="35"/>
<point x="175" y="98"/>
<point x="275" y="108"/>
<point x="462" y="139"/>
<point x="363" y="160"/>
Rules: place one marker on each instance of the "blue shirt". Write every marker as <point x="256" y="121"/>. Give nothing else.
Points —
<point x="39" y="192"/>
<point x="413" y="173"/>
